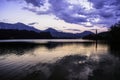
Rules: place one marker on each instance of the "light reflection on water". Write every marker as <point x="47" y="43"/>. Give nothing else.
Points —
<point x="46" y="54"/>
<point x="53" y="60"/>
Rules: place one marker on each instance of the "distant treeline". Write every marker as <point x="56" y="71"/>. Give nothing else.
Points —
<point x="112" y="35"/>
<point x="23" y="34"/>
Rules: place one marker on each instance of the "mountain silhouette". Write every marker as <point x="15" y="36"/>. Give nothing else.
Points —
<point x="22" y="31"/>
<point x="59" y="34"/>
<point x="17" y="26"/>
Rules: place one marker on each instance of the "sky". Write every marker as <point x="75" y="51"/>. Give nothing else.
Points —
<point x="64" y="15"/>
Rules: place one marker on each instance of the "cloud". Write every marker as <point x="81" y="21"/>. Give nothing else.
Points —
<point x="37" y="3"/>
<point x="107" y="10"/>
<point x="98" y="4"/>
<point x="34" y="10"/>
<point x="72" y="29"/>
<point x="70" y="19"/>
<point x="63" y="11"/>
<point x="33" y="23"/>
<point x="101" y="12"/>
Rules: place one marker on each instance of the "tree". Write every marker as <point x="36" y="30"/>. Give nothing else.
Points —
<point x="115" y="32"/>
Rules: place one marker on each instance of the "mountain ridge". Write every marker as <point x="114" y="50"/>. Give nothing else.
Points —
<point x="60" y="34"/>
<point x="17" y="26"/>
<point x="54" y="33"/>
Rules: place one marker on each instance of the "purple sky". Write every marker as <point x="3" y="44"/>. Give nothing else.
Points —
<point x="65" y="15"/>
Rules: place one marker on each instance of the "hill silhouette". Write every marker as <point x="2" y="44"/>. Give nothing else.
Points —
<point x="60" y="34"/>
<point x="17" y="26"/>
<point x="22" y="31"/>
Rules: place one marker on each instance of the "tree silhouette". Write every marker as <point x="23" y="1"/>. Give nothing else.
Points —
<point x="115" y="32"/>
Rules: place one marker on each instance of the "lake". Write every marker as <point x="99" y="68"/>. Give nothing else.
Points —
<point x="60" y="59"/>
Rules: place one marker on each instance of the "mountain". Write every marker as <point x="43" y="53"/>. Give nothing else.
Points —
<point x="21" y="31"/>
<point x="17" y="26"/>
<point x="59" y="34"/>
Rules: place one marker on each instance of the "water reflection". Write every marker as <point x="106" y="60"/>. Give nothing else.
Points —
<point x="58" y="61"/>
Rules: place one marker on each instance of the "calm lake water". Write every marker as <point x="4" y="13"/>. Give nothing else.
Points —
<point x="58" y="60"/>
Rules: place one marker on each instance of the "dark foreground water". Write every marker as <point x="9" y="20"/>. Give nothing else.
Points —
<point x="59" y="60"/>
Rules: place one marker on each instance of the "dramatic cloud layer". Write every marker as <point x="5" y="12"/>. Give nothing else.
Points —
<point x="82" y="12"/>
